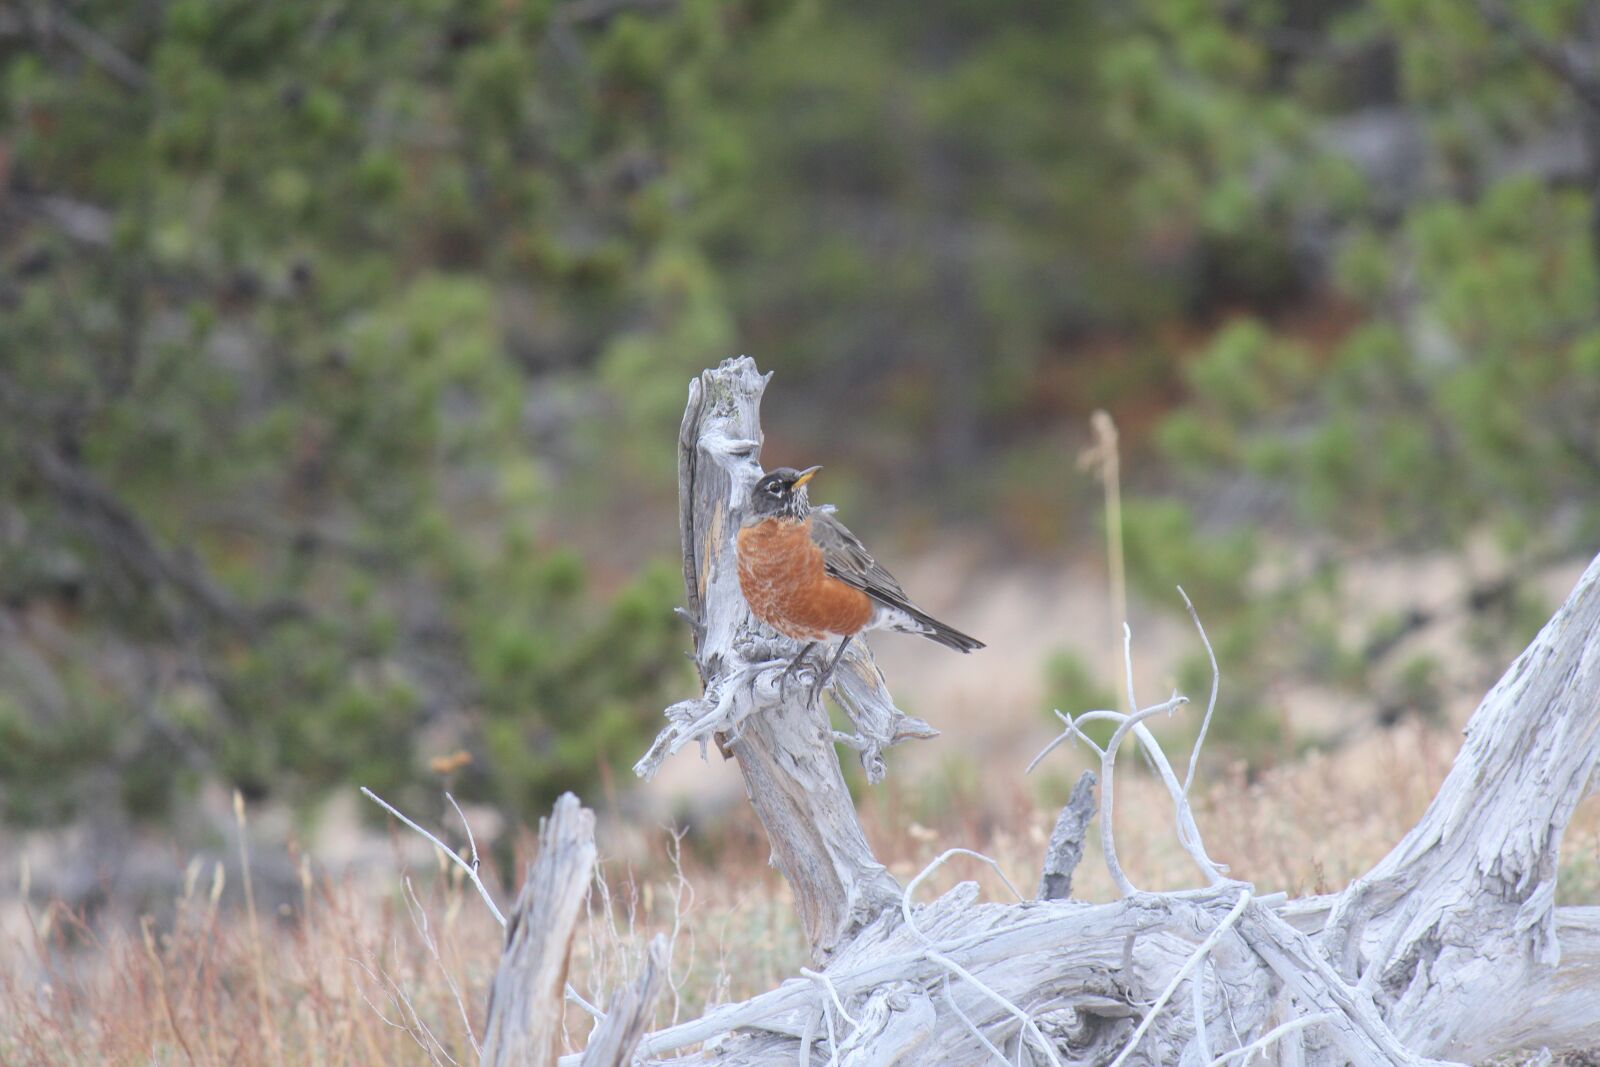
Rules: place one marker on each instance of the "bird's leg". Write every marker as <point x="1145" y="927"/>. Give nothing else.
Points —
<point x="789" y="671"/>
<point x="827" y="675"/>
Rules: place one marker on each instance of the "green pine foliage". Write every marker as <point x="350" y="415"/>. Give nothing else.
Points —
<point x="342" y="346"/>
<point x="288" y="289"/>
<point x="1462" y="402"/>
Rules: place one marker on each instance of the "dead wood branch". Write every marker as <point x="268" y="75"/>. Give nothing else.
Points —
<point x="525" y="1001"/>
<point x="1463" y="909"/>
<point x="628" y="1015"/>
<point x="1061" y="856"/>
<point x="785" y="747"/>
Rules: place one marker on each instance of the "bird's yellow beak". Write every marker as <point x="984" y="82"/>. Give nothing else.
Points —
<point x="806" y="475"/>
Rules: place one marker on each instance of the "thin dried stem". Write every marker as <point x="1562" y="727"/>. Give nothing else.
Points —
<point x="1069" y="734"/>
<point x="471" y="871"/>
<point x="911" y="886"/>
<point x="419" y="919"/>
<point x="258" y="958"/>
<point x="472" y="842"/>
<point x="1103" y="458"/>
<point x="1028" y="1025"/>
<point x="470" y="868"/>
<point x="1211" y="702"/>
<point x="972" y="1027"/>
<point x="1127" y="664"/>
<point x="827" y="983"/>
<point x="1108" y="760"/>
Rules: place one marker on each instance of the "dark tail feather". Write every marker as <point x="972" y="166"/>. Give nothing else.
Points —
<point x="948" y="636"/>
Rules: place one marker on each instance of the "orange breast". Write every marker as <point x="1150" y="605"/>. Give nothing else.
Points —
<point x="782" y="577"/>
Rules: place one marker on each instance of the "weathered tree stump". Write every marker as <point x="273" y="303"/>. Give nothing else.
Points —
<point x="784" y="747"/>
<point x="528" y="994"/>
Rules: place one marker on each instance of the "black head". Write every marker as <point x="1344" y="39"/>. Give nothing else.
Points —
<point x="781" y="493"/>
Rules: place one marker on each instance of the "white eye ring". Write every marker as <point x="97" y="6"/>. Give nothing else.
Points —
<point x="775" y="489"/>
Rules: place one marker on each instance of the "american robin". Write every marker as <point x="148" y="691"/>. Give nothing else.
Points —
<point x="809" y="578"/>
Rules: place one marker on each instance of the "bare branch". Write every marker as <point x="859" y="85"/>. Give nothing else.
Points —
<point x="1108" y="761"/>
<point x="419" y="919"/>
<point x="471" y="869"/>
<point x="782" y="743"/>
<point x="1211" y="701"/>
<point x="1061" y="856"/>
<point x="955" y="968"/>
<point x="524" y="1023"/>
<point x="613" y="1042"/>
<point x="1271" y="1036"/>
<point x="1073" y="982"/>
<point x="1194" y="961"/>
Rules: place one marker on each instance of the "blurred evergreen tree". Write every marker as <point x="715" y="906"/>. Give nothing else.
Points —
<point x="317" y="323"/>
<point x="931" y="181"/>
<point x="1425" y="173"/>
<point x="290" y="295"/>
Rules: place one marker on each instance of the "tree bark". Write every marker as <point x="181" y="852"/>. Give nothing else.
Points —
<point x="1065" y="849"/>
<point x="1464" y="907"/>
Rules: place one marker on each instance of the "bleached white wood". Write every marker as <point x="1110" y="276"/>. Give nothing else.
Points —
<point x="526" y="997"/>
<point x="1471" y="889"/>
<point x="627" y="1017"/>
<point x="1450" y="947"/>
<point x="896" y="1024"/>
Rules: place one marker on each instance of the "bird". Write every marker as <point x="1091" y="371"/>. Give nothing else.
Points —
<point x="804" y="574"/>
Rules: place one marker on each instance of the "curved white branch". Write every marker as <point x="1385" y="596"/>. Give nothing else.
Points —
<point x="471" y="869"/>
<point x="1211" y="702"/>
<point x="1271" y="1036"/>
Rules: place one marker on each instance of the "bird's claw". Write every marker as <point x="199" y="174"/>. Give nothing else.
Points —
<point x="814" y="697"/>
<point x="791" y="671"/>
<point x="821" y="674"/>
<point x="824" y="678"/>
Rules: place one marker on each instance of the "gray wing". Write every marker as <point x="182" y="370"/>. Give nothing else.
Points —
<point x="844" y="557"/>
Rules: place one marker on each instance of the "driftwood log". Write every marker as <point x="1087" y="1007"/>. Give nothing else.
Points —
<point x="1450" y="950"/>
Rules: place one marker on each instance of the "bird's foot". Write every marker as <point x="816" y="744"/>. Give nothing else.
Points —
<point x="818" y="687"/>
<point x="793" y="670"/>
<point x="824" y="677"/>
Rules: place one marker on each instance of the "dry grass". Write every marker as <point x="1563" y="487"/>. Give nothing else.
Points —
<point x="364" y="972"/>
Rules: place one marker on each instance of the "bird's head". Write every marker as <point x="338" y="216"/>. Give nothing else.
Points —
<point x="781" y="494"/>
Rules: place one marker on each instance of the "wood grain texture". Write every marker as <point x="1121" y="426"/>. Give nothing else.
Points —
<point x="1463" y="909"/>
<point x="616" y="1038"/>
<point x="528" y="993"/>
<point x="1065" y="849"/>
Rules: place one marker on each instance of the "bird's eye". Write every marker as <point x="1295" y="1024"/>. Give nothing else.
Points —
<point x="775" y="489"/>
